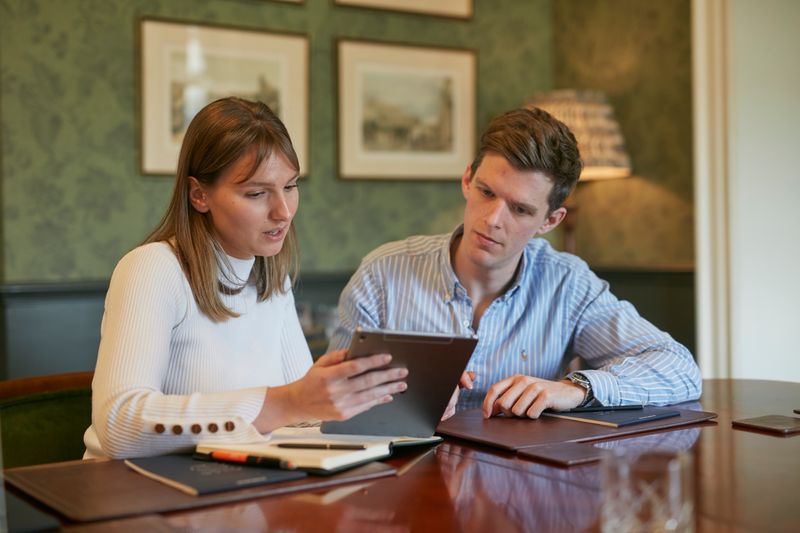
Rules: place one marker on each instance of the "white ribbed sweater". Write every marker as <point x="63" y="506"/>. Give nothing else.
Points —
<point x="167" y="376"/>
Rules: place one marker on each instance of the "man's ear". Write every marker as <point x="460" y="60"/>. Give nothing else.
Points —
<point x="466" y="180"/>
<point x="552" y="220"/>
<point x="197" y="195"/>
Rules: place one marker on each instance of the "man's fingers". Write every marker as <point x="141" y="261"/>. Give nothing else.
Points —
<point x="524" y="402"/>
<point x="539" y="405"/>
<point x="494" y="392"/>
<point x="451" y="405"/>
<point x="506" y="402"/>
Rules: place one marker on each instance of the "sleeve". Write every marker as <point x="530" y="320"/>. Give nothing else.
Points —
<point x="362" y="303"/>
<point x="296" y="356"/>
<point x="631" y="361"/>
<point x="131" y="416"/>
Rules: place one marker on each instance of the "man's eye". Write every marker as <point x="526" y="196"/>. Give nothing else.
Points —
<point x="257" y="194"/>
<point x="486" y="192"/>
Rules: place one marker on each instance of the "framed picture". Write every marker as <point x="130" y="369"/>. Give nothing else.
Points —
<point x="405" y="111"/>
<point x="186" y="66"/>
<point x="444" y="8"/>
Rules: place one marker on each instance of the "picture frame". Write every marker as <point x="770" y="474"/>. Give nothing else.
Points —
<point x="405" y="111"/>
<point x="461" y="9"/>
<point x="184" y="66"/>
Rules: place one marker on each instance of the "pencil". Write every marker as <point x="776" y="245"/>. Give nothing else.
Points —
<point x="320" y="446"/>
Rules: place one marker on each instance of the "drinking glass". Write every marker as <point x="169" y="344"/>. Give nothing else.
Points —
<point x="650" y="491"/>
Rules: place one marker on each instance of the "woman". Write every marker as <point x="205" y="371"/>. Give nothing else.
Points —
<point x="200" y="339"/>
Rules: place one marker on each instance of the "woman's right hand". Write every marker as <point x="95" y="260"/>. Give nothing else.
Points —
<point x="332" y="389"/>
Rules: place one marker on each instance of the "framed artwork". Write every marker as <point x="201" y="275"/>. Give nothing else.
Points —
<point x="405" y="111"/>
<point x="183" y="67"/>
<point x="443" y="8"/>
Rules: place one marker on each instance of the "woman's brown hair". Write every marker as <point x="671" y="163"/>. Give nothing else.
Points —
<point x="219" y="135"/>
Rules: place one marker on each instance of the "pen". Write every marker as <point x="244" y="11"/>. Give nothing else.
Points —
<point x="252" y="460"/>
<point x="320" y="446"/>
<point x="593" y="408"/>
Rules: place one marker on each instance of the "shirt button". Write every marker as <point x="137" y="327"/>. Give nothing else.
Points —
<point x="524" y="354"/>
<point x="466" y="323"/>
<point x="177" y="429"/>
<point x="212" y="427"/>
<point x="229" y="426"/>
<point x="160" y="428"/>
<point x="196" y="428"/>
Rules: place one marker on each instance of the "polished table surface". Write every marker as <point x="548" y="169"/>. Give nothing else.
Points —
<point x="745" y="481"/>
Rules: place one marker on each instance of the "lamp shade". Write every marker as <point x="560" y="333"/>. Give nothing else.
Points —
<point x="591" y="119"/>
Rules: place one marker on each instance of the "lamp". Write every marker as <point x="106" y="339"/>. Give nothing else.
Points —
<point x="591" y="119"/>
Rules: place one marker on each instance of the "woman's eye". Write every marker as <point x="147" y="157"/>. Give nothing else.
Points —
<point x="291" y="187"/>
<point x="258" y="194"/>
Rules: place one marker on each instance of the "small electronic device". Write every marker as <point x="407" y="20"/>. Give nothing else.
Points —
<point x="784" y="425"/>
<point x="434" y="361"/>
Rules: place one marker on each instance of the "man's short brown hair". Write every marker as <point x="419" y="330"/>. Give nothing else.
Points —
<point x="532" y="139"/>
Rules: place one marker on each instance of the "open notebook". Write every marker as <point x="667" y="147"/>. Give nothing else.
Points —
<point x="306" y="448"/>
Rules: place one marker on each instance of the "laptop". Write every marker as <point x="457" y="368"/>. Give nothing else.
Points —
<point x="434" y="361"/>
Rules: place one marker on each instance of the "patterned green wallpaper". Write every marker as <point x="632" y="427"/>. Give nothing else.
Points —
<point x="73" y="200"/>
<point x="639" y="53"/>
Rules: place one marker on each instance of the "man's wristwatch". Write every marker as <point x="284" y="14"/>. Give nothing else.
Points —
<point x="579" y="379"/>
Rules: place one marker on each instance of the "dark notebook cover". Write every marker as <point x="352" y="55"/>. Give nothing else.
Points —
<point x="205" y="477"/>
<point x="86" y="491"/>
<point x="617" y="419"/>
<point x="515" y="433"/>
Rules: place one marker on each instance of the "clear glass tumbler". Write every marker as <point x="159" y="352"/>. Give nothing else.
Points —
<point x="649" y="491"/>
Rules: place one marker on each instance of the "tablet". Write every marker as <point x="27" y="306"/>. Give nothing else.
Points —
<point x="434" y="361"/>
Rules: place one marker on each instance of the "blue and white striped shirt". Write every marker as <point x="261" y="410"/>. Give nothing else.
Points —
<point x="555" y="310"/>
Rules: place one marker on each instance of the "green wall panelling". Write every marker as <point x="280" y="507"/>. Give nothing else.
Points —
<point x="73" y="199"/>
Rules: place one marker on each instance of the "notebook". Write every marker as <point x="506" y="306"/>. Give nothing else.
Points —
<point x="197" y="477"/>
<point x="306" y="448"/>
<point x="516" y="433"/>
<point x="434" y="361"/>
<point x="616" y="419"/>
<point x="101" y="490"/>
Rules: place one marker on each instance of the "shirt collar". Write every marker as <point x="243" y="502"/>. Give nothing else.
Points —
<point x="451" y="288"/>
<point x="520" y="277"/>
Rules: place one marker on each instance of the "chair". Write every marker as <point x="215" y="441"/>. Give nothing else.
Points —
<point x="43" y="418"/>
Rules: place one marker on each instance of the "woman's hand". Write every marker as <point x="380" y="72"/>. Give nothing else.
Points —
<point x="332" y="389"/>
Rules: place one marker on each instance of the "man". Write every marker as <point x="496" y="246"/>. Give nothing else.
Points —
<point x="532" y="308"/>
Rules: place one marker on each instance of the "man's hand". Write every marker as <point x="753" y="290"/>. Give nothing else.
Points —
<point x="464" y="383"/>
<point x="526" y="396"/>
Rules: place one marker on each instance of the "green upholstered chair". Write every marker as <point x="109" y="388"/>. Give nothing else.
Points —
<point x="43" y="418"/>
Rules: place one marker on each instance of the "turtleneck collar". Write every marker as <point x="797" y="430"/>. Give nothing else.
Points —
<point x="233" y="272"/>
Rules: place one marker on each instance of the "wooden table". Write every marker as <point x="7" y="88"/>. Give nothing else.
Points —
<point x="746" y="481"/>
